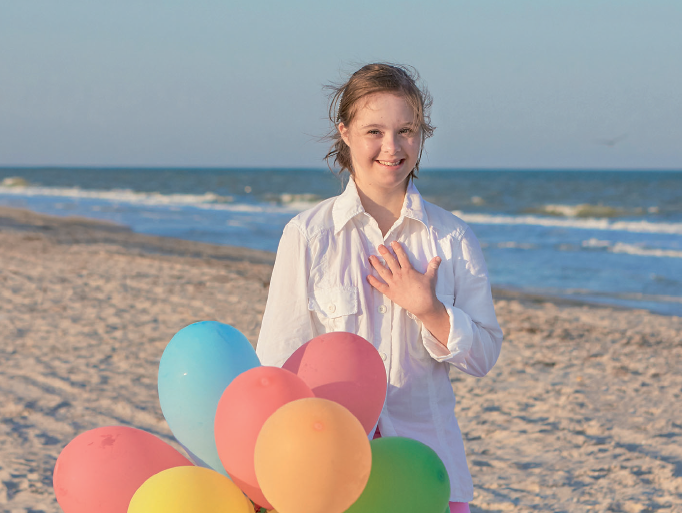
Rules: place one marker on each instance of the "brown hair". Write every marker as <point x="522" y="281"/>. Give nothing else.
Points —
<point x="375" y="78"/>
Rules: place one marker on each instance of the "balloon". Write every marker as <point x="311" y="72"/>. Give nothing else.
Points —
<point x="189" y="490"/>
<point x="100" y="470"/>
<point x="407" y="476"/>
<point x="245" y="405"/>
<point x="193" y="457"/>
<point x="312" y="456"/>
<point x="344" y="368"/>
<point x="196" y="367"/>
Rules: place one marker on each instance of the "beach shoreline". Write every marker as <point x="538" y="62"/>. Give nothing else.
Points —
<point x="82" y="230"/>
<point x="580" y="413"/>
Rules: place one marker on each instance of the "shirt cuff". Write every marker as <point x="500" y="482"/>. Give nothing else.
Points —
<point x="460" y="338"/>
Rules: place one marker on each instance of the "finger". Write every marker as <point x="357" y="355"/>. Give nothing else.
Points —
<point x="381" y="268"/>
<point x="403" y="259"/>
<point x="393" y="264"/>
<point x="377" y="284"/>
<point x="432" y="268"/>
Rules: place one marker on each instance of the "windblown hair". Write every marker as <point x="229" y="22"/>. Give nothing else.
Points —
<point x="345" y="100"/>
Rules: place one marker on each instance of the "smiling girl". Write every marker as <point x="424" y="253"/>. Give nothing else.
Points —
<point x="381" y="262"/>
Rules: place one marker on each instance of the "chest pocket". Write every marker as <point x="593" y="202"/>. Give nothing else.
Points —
<point x="334" y="309"/>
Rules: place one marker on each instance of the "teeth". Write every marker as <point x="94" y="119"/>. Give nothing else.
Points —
<point x="383" y="162"/>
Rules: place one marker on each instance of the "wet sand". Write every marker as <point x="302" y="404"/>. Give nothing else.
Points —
<point x="581" y="413"/>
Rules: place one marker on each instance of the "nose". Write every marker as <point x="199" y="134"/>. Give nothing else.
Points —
<point x="391" y="143"/>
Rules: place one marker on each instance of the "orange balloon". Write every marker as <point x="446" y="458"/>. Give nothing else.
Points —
<point x="247" y="402"/>
<point x="312" y="456"/>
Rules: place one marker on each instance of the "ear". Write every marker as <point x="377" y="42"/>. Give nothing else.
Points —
<point x="343" y="132"/>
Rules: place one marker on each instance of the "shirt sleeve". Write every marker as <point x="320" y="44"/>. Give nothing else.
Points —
<point x="287" y="323"/>
<point x="475" y="337"/>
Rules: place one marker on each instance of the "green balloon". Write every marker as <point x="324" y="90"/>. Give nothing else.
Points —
<point x="406" y="476"/>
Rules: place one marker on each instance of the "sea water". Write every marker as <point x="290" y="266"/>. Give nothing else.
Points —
<point x="603" y="236"/>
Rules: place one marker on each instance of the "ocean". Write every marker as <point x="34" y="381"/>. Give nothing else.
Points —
<point x="611" y="237"/>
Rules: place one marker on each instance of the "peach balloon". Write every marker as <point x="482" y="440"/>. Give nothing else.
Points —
<point x="344" y="368"/>
<point x="312" y="456"/>
<point x="247" y="402"/>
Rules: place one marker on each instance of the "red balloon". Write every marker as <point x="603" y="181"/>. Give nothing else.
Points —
<point x="247" y="402"/>
<point x="344" y="368"/>
<point x="101" y="469"/>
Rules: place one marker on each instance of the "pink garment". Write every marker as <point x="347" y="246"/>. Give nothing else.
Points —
<point x="459" y="507"/>
<point x="455" y="507"/>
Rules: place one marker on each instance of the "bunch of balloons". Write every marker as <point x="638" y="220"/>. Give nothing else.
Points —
<point x="291" y="439"/>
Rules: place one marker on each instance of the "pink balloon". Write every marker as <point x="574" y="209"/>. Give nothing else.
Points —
<point x="247" y="402"/>
<point x="101" y="469"/>
<point x="344" y="368"/>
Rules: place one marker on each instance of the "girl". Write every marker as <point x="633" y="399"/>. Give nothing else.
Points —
<point x="381" y="262"/>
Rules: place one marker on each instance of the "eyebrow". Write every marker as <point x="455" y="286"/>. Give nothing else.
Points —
<point x="377" y="125"/>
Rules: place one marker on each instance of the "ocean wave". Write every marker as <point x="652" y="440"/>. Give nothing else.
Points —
<point x="631" y="249"/>
<point x="299" y="201"/>
<point x="580" y="223"/>
<point x="14" y="181"/>
<point x="289" y="203"/>
<point x="114" y="195"/>
<point x="586" y="210"/>
<point x="516" y="245"/>
<point x="279" y="203"/>
<point x="582" y="210"/>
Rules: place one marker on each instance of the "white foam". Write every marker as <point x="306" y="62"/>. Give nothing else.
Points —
<point x="582" y="210"/>
<point x="14" y="181"/>
<point x="206" y="201"/>
<point x="113" y="195"/>
<point x="516" y="245"/>
<point x="631" y="249"/>
<point x="294" y="203"/>
<point x="580" y="223"/>
<point x="596" y="243"/>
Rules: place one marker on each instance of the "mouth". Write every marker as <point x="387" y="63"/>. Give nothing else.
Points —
<point x="391" y="163"/>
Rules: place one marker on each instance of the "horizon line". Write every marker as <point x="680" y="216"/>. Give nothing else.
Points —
<point x="310" y="168"/>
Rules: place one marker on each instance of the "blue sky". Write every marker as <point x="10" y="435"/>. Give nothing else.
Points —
<point x="518" y="84"/>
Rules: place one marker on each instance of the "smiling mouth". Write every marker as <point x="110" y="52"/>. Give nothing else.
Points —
<point x="391" y="163"/>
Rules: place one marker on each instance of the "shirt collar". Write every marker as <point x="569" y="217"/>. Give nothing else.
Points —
<point x="348" y="205"/>
<point x="413" y="207"/>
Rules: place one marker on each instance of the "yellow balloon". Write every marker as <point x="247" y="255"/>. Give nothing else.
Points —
<point x="312" y="456"/>
<point x="189" y="490"/>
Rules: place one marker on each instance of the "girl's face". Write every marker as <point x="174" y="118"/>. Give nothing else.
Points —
<point x="383" y="142"/>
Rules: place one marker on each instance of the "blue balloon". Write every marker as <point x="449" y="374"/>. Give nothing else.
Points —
<point x="196" y="367"/>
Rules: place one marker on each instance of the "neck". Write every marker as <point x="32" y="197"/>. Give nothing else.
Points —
<point x="383" y="205"/>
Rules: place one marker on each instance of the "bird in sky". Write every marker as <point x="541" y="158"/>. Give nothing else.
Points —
<point x="611" y="142"/>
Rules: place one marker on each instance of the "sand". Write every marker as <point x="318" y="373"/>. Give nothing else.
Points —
<point x="581" y="413"/>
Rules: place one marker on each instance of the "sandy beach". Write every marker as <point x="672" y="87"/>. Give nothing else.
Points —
<point x="581" y="413"/>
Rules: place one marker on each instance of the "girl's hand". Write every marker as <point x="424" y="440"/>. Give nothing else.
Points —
<point x="410" y="289"/>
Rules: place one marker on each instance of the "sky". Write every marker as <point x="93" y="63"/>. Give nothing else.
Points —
<point x="516" y="84"/>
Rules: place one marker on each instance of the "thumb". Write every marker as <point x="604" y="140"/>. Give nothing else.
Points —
<point x="433" y="266"/>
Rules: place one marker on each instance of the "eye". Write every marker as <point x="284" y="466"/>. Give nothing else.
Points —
<point x="406" y="131"/>
<point x="373" y="132"/>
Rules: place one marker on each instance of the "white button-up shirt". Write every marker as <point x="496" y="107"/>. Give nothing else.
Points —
<point x="319" y="284"/>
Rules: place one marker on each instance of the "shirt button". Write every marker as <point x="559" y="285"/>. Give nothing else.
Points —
<point x="331" y="308"/>
<point x="382" y="309"/>
<point x="383" y="356"/>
